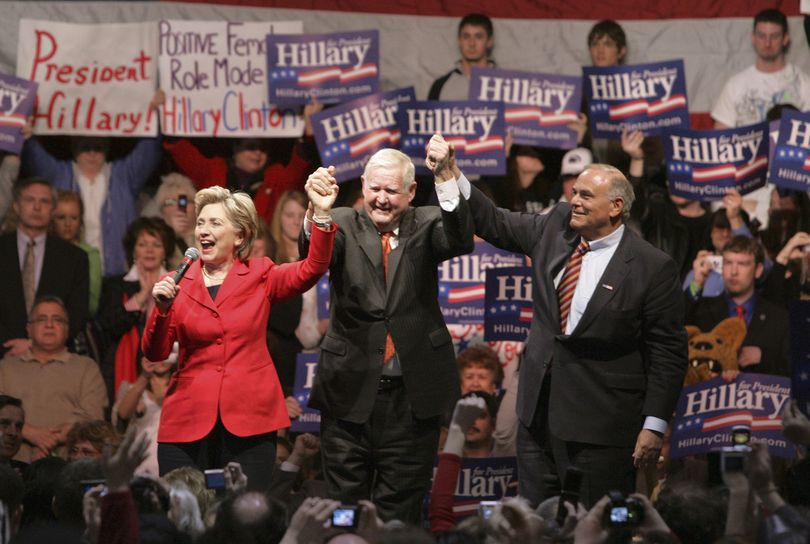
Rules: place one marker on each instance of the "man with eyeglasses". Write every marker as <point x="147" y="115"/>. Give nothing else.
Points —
<point x="57" y="388"/>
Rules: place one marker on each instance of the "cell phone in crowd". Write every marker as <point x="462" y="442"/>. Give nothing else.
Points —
<point x="716" y="263"/>
<point x="215" y="478"/>
<point x="182" y="202"/>
<point x="485" y="508"/>
<point x="623" y="511"/>
<point x="732" y="459"/>
<point x="87" y="485"/>
<point x="569" y="493"/>
<point x="345" y="516"/>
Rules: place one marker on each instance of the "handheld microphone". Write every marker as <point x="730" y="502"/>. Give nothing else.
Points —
<point x="191" y="255"/>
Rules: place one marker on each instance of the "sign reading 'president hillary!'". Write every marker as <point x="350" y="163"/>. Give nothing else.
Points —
<point x="646" y="97"/>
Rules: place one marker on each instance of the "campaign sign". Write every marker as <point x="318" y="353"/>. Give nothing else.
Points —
<point x="537" y="107"/>
<point x="323" y="297"/>
<point x="94" y="79"/>
<point x="348" y="134"/>
<point x="646" y="97"/>
<point x="475" y="130"/>
<point x="800" y="353"/>
<point x="508" y="303"/>
<point x="16" y="104"/>
<point x="213" y="75"/>
<point x="702" y="164"/>
<point x="461" y="282"/>
<point x="306" y="364"/>
<point x="707" y="412"/>
<point x="330" y="67"/>
<point x="790" y="165"/>
<point x="482" y="479"/>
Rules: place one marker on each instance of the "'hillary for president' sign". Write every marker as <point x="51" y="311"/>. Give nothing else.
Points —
<point x="475" y="130"/>
<point x="537" y="107"/>
<point x="508" y="304"/>
<point x="306" y="364"/>
<point x="790" y="162"/>
<point x="701" y="165"/>
<point x="348" y="134"/>
<point x="708" y="411"/>
<point x="461" y="282"/>
<point x="16" y="103"/>
<point x="330" y="67"/>
<point x="646" y="97"/>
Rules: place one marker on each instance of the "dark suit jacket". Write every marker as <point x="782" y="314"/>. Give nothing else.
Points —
<point x="627" y="357"/>
<point x="769" y="330"/>
<point x="65" y="274"/>
<point x="364" y="309"/>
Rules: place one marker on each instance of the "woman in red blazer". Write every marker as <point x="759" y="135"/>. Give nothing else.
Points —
<point x="224" y="402"/>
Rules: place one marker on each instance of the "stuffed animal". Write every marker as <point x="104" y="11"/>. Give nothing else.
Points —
<point x="715" y="352"/>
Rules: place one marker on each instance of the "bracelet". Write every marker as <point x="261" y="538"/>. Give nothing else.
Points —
<point x="324" y="222"/>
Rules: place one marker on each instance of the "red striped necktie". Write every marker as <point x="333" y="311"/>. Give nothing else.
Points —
<point x="568" y="283"/>
<point x="385" y="239"/>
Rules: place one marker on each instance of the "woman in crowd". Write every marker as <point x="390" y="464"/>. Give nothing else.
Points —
<point x="225" y="402"/>
<point x="139" y="404"/>
<point x="174" y="203"/>
<point x="127" y="299"/>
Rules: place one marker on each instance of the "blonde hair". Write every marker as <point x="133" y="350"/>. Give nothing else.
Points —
<point x="279" y="251"/>
<point x="172" y="182"/>
<point x="240" y="211"/>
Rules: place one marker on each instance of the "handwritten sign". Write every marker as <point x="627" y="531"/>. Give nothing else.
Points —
<point x="348" y="134"/>
<point x="701" y="165"/>
<point x="475" y="130"/>
<point x="330" y="67"/>
<point x="93" y="79"/>
<point x="646" y="97"/>
<point x="213" y="74"/>
<point x="16" y="104"/>
<point x="537" y="107"/>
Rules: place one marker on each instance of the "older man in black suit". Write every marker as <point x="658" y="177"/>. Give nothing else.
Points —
<point x="34" y="264"/>
<point x="387" y="367"/>
<point x="607" y="353"/>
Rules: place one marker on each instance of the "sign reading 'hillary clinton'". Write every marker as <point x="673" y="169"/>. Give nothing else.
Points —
<point x="330" y="67"/>
<point x="475" y="130"/>
<point x="348" y="134"/>
<point x="537" y="107"/>
<point x="646" y="97"/>
<point x="701" y="165"/>
<point x="790" y="162"/>
<point x="707" y="412"/>
<point x="461" y="282"/>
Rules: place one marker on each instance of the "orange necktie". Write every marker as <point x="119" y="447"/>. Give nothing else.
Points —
<point x="385" y="238"/>
<point x="568" y="283"/>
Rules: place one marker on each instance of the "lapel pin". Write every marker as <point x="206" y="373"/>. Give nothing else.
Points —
<point x="608" y="287"/>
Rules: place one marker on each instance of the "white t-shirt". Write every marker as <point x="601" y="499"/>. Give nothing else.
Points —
<point x="748" y="95"/>
<point x="94" y="193"/>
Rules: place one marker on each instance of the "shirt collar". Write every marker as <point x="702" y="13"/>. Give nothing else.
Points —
<point x="28" y="357"/>
<point x="611" y="240"/>
<point x="22" y="238"/>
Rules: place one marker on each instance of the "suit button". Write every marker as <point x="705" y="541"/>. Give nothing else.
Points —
<point x="214" y="314"/>
<point x="381" y="351"/>
<point x="219" y="369"/>
<point x="219" y="340"/>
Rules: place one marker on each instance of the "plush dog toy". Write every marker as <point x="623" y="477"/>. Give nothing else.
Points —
<point x="715" y="352"/>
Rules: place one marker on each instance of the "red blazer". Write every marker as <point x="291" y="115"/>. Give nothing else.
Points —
<point x="223" y="366"/>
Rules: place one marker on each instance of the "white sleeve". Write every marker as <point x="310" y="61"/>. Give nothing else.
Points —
<point x="723" y="110"/>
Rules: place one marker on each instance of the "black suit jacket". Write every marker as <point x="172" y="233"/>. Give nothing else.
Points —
<point x="627" y="357"/>
<point x="64" y="274"/>
<point x="769" y="330"/>
<point x="364" y="309"/>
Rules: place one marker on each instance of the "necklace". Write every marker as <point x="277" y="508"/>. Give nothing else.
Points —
<point x="210" y="277"/>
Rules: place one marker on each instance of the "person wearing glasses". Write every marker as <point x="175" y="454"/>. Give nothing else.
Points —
<point x="174" y="203"/>
<point x="58" y="388"/>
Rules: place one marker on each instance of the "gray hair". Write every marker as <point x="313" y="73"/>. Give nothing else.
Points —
<point x="619" y="187"/>
<point x="392" y="158"/>
<point x="171" y="182"/>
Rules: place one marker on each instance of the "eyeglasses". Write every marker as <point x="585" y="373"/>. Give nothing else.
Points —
<point x="42" y="319"/>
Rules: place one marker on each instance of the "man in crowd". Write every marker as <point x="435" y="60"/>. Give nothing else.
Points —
<point x="12" y="419"/>
<point x="58" y="388"/>
<point x="475" y="42"/>
<point x="766" y="346"/>
<point x="34" y="263"/>
<point x="387" y="369"/>
<point x="607" y="353"/>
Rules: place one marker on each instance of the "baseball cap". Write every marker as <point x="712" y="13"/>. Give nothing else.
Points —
<point x="575" y="161"/>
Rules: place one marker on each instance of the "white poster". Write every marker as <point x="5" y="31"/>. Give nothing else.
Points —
<point x="214" y="76"/>
<point x="93" y="79"/>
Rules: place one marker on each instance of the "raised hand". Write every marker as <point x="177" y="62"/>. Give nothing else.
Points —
<point x="322" y="190"/>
